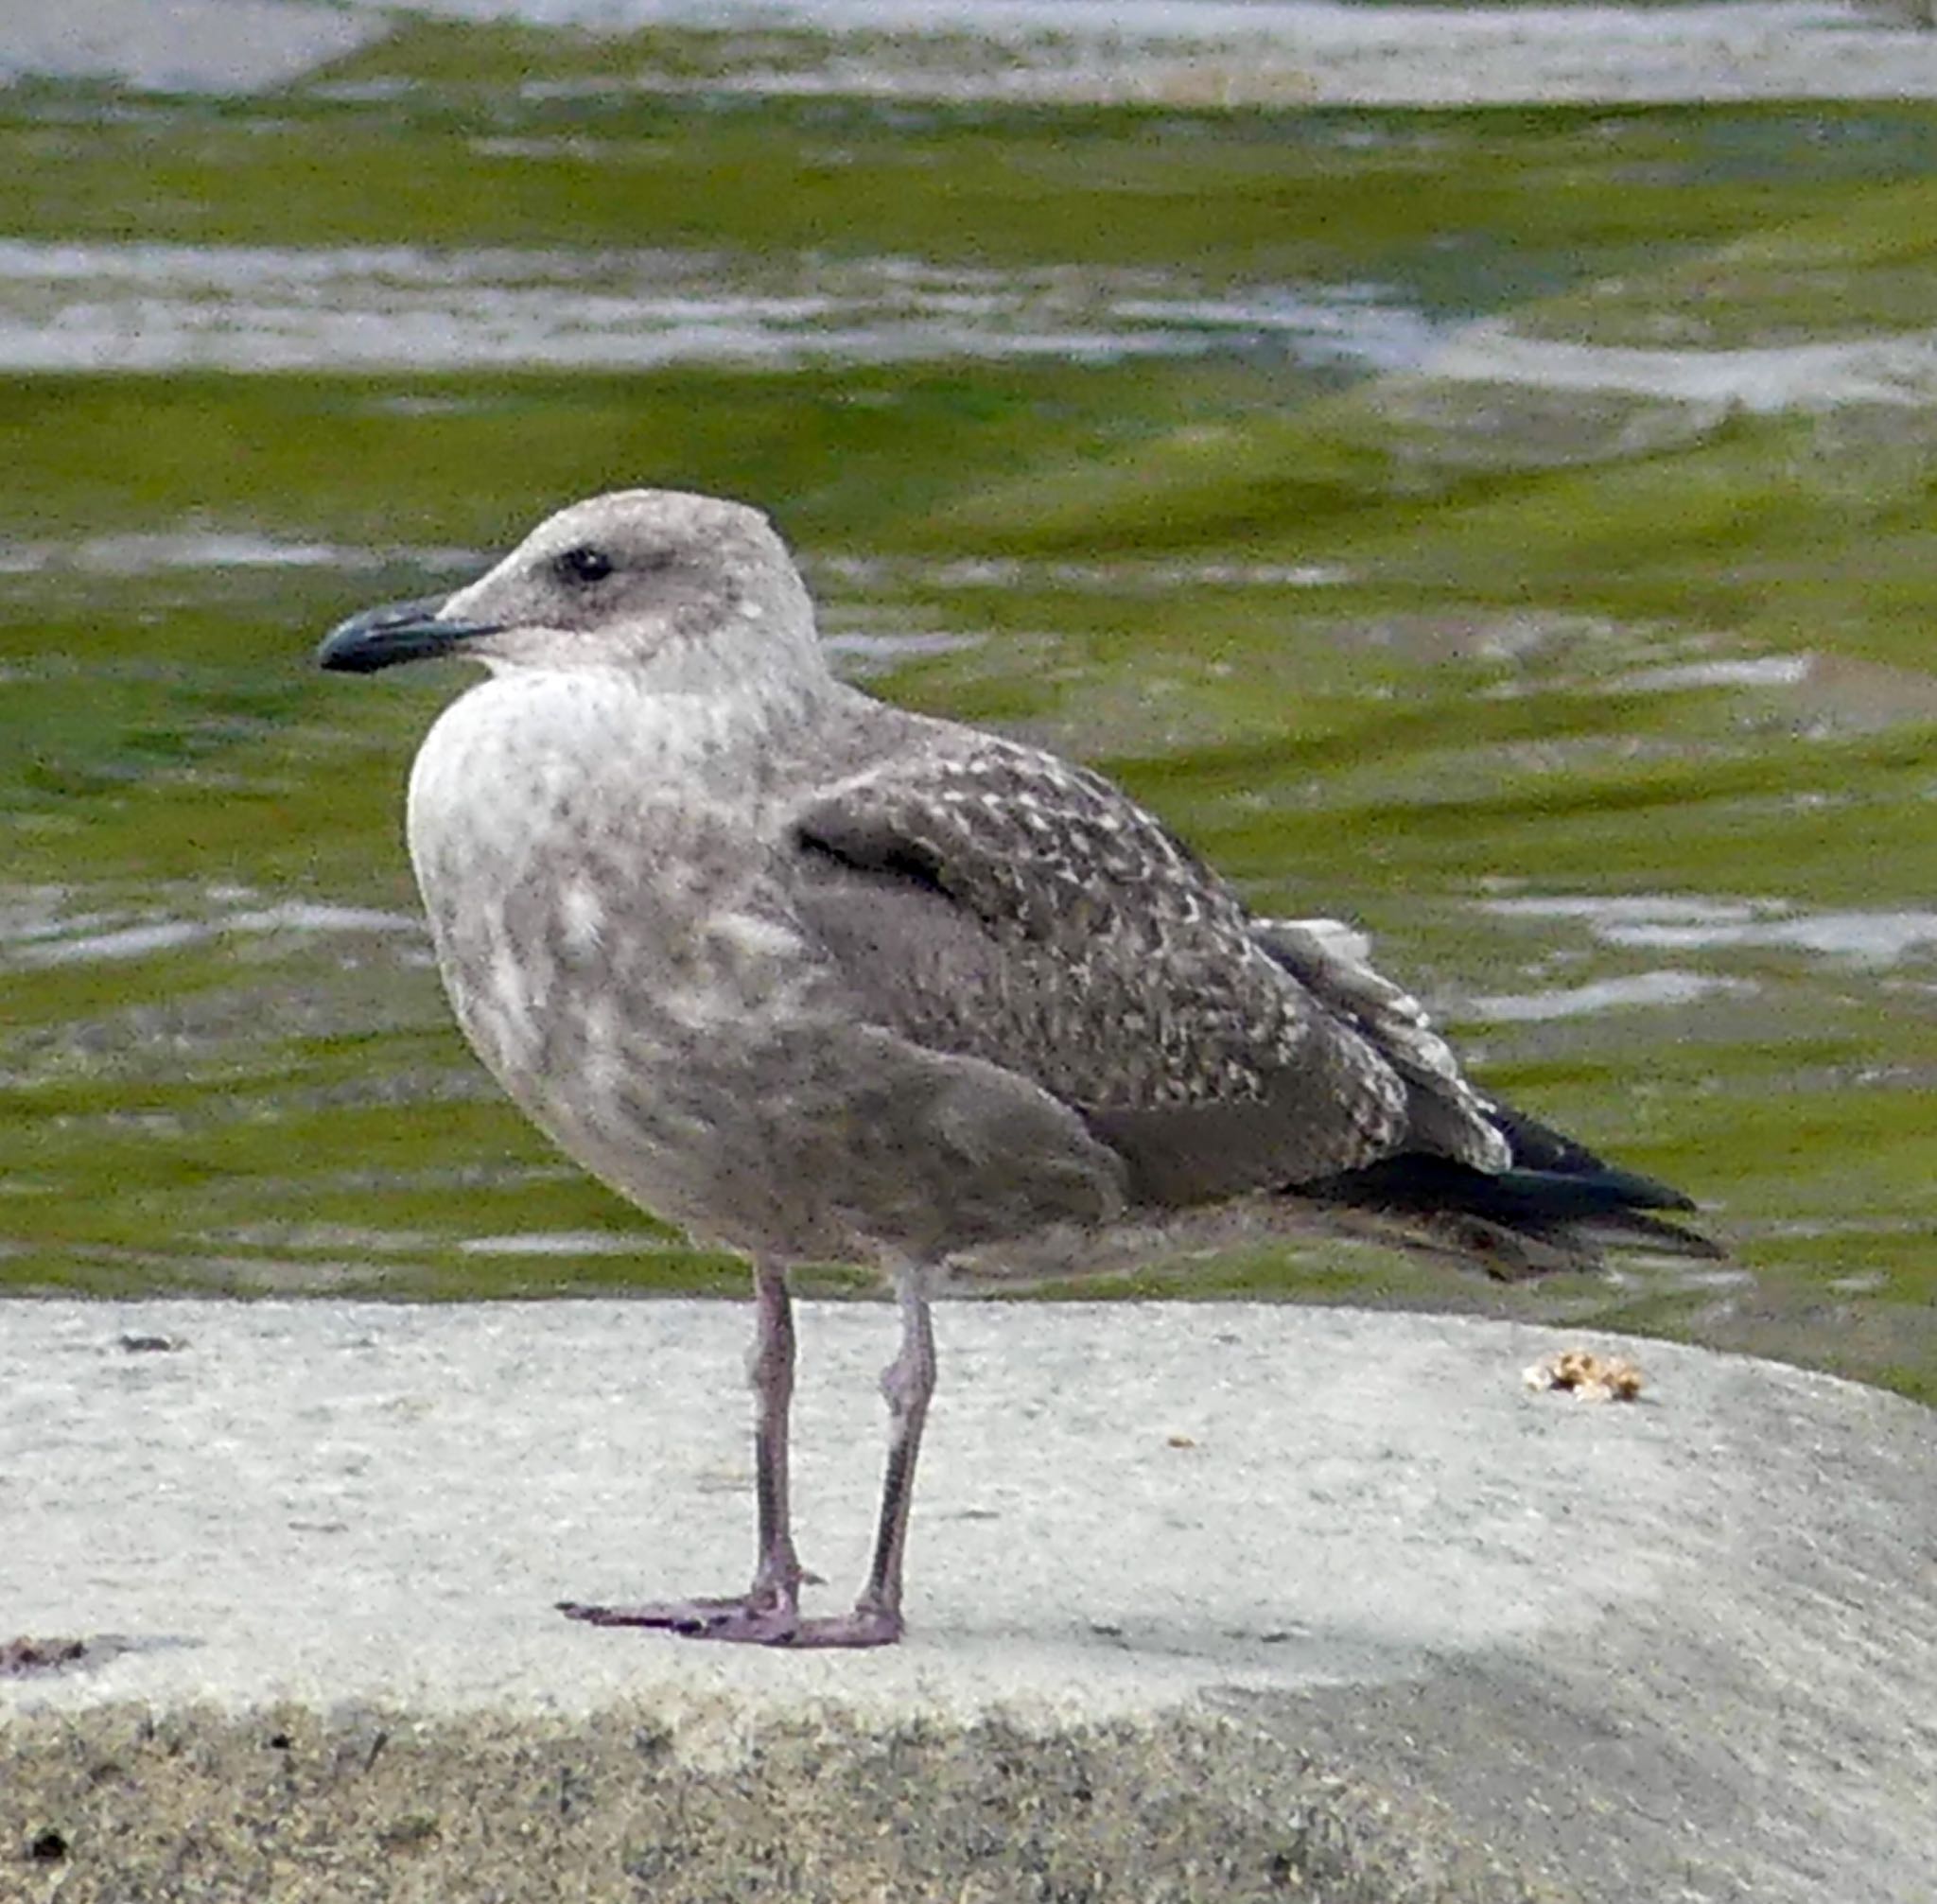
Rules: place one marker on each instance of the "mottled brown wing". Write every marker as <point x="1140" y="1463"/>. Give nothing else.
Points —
<point x="990" y="901"/>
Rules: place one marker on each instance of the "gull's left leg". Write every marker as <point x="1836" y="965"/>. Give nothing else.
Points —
<point x="769" y="1609"/>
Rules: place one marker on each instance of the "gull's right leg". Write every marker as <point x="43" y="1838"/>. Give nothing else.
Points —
<point x="771" y="1606"/>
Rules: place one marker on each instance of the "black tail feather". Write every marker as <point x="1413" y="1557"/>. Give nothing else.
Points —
<point x="1557" y="1206"/>
<point x="1540" y="1149"/>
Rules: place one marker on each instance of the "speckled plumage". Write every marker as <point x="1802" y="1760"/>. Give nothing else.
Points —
<point x="792" y="966"/>
<point x="816" y="977"/>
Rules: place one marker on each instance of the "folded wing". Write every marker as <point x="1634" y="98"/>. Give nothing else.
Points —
<point x="990" y="901"/>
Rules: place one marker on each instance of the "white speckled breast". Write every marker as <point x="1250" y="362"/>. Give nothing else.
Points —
<point x="591" y="858"/>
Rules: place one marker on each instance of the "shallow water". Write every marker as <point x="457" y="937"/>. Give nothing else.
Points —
<point x="1608" y="710"/>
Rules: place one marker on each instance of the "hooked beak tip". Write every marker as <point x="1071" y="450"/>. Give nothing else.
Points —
<point x="395" y="633"/>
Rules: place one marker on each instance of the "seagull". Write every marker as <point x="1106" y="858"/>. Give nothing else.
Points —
<point x="821" y="979"/>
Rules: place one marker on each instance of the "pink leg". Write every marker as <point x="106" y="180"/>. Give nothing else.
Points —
<point x="907" y="1383"/>
<point x="772" y="1602"/>
<point x="769" y="1613"/>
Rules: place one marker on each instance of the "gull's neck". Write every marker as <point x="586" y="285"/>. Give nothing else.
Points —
<point x="734" y="727"/>
<point x="754" y="662"/>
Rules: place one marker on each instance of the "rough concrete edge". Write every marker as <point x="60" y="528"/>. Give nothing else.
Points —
<point x="301" y="1804"/>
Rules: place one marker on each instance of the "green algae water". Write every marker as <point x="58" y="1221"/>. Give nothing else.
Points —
<point x="1513" y="529"/>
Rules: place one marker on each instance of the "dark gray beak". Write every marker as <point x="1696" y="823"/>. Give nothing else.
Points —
<point x="399" y="631"/>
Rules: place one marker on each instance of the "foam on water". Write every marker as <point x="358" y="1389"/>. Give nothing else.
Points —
<point x="1897" y="371"/>
<point x="150" y="307"/>
<point x="1666" y="988"/>
<point x="1659" y="923"/>
<point x="1238" y="52"/>
<point x="153" y="551"/>
<point x="91" y="938"/>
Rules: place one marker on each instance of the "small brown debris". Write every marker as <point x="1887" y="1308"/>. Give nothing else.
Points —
<point x="19" y="1657"/>
<point x="1178" y="1442"/>
<point x="1587" y="1376"/>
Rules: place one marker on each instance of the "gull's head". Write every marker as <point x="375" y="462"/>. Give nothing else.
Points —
<point x="689" y="590"/>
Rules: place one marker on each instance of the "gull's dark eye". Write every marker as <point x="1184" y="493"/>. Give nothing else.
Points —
<point x="583" y="565"/>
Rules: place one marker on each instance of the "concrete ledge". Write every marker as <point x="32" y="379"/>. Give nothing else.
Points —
<point x="1207" y="1603"/>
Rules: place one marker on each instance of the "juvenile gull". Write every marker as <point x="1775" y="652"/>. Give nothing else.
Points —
<point x="821" y="979"/>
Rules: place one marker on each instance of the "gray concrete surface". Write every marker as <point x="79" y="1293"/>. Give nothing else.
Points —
<point x="1206" y="1604"/>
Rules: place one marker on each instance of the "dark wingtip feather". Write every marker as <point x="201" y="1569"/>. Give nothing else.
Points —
<point x="1557" y="1206"/>
<point x="1539" y="1149"/>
